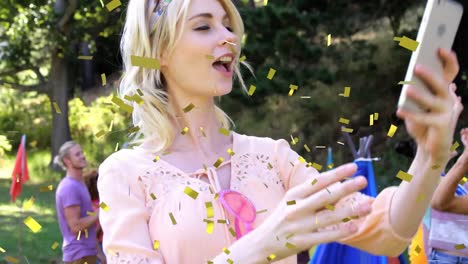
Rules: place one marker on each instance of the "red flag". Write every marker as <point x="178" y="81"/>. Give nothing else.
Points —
<point x="20" y="172"/>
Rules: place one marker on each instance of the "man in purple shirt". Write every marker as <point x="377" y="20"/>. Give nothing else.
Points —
<point x="74" y="209"/>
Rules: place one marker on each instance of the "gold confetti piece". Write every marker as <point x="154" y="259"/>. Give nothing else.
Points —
<point x="460" y="246"/>
<point x="317" y="166"/>
<point x="153" y="196"/>
<point x="85" y="57"/>
<point x="420" y="197"/>
<point x="346" y="219"/>
<point x="271" y="257"/>
<point x="205" y="167"/>
<point x="232" y="231"/>
<point x="144" y="62"/>
<point x="2" y="250"/>
<point x="243" y="58"/>
<point x="301" y="159"/>
<point x="435" y="167"/>
<point x="189" y="108"/>
<point x="270" y="166"/>
<point x="156" y="245"/>
<point x="463" y="181"/>
<point x="57" y="108"/>
<point x="271" y="73"/>
<point x="202" y="131"/>
<point x="320" y="147"/>
<point x="343" y="120"/>
<point x="330" y="166"/>
<point x="404" y="176"/>
<point x="314" y="182"/>
<point x="407" y="43"/>
<point x="307" y="148"/>
<point x="407" y="82"/>
<point x="392" y="130"/>
<point x="454" y="146"/>
<point x="341" y="143"/>
<point x="292" y="202"/>
<point x="225" y="250"/>
<point x="290" y="246"/>
<point x="111" y="125"/>
<point x="261" y="211"/>
<point x="294" y="140"/>
<point x="292" y="88"/>
<point x="191" y="192"/>
<point x="210" y="262"/>
<point x="113" y="5"/>
<point x="376" y="116"/>
<point x="218" y="162"/>
<point x="224" y="131"/>
<point x="347" y="130"/>
<point x="252" y="90"/>
<point x="265" y="2"/>
<point x="125" y="107"/>
<point x="330" y="207"/>
<point x="32" y="224"/>
<point x="86" y="233"/>
<point x="54" y="245"/>
<point x="230" y="152"/>
<point x="28" y="204"/>
<point x="133" y="129"/>
<point x="11" y="259"/>
<point x="209" y="210"/>
<point x="230" y="261"/>
<point x="221" y="221"/>
<point x="100" y="133"/>
<point x="184" y="131"/>
<point x="371" y="120"/>
<point x="140" y="93"/>
<point x="210" y="57"/>
<point x="156" y="159"/>
<point x="417" y="250"/>
<point x="172" y="219"/>
<point x="346" y="93"/>
<point x="210" y="227"/>
<point x="104" y="206"/>
<point x="79" y="235"/>
<point x="104" y="79"/>
<point x="90" y="213"/>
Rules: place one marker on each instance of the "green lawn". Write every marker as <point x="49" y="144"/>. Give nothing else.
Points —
<point x="18" y="241"/>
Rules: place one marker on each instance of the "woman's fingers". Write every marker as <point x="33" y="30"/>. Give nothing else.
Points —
<point x="430" y="80"/>
<point x="322" y="181"/>
<point x="450" y="64"/>
<point x="328" y="217"/>
<point x="425" y="99"/>
<point x="427" y="119"/>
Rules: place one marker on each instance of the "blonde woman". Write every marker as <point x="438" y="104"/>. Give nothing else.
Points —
<point x="190" y="194"/>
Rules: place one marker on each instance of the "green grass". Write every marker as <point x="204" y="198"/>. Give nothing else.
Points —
<point x="16" y="238"/>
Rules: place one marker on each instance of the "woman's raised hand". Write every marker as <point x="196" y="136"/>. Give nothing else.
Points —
<point x="307" y="223"/>
<point x="433" y="130"/>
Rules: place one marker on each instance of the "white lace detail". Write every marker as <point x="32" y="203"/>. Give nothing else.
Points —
<point x="120" y="258"/>
<point x="255" y="165"/>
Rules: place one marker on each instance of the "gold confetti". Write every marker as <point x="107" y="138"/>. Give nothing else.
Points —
<point x="221" y="221"/>
<point x="140" y="93"/>
<point x="301" y="159"/>
<point x="261" y="211"/>
<point x="230" y="152"/>
<point x="290" y="246"/>
<point x="125" y="107"/>
<point x="320" y="147"/>
<point x="294" y="140"/>
<point x="184" y="131"/>
<point x="243" y="58"/>
<point x="2" y="250"/>
<point x="454" y="146"/>
<point x="306" y="148"/>
<point x="156" y="245"/>
<point x="57" y="108"/>
<point x="116" y="146"/>
<point x="11" y="259"/>
<point x="271" y="257"/>
<point x="371" y="120"/>
<point x="463" y="181"/>
<point x="392" y="130"/>
<point x="252" y="90"/>
<point x="104" y="206"/>
<point x="435" y="167"/>
<point x="153" y="196"/>
<point x="230" y="261"/>
<point x="209" y="210"/>
<point x="156" y="159"/>
<point x="172" y="219"/>
<point x="292" y="202"/>
<point x="210" y="57"/>
<point x="133" y="129"/>
<point x="85" y="57"/>
<point x="90" y="213"/>
<point x="341" y="143"/>
<point x="144" y="62"/>
<point x="224" y="131"/>
<point x="86" y="233"/>
<point x="28" y="204"/>
<point x="100" y="133"/>
<point x="404" y="176"/>
<point x="271" y="73"/>
<point x="113" y="5"/>
<point x="420" y="197"/>
<point x="54" y="245"/>
<point x="292" y="88"/>
<point x="330" y="166"/>
<point x="344" y="121"/>
<point x="347" y="130"/>
<point x="329" y="40"/>
<point x="376" y="116"/>
<point x="218" y="162"/>
<point x="79" y="235"/>
<point x="202" y="131"/>
<point x="346" y="219"/>
<point x="225" y="250"/>
<point x="330" y="207"/>
<point x="460" y="246"/>
<point x="32" y="224"/>
<point x="314" y="182"/>
<point x="346" y="93"/>
<point x="317" y="166"/>
<point x="407" y="43"/>
<point x="189" y="108"/>
<point x="417" y="250"/>
<point x="104" y="79"/>
<point x="191" y="192"/>
<point x="407" y="82"/>
<point x="232" y="231"/>
<point x="209" y="227"/>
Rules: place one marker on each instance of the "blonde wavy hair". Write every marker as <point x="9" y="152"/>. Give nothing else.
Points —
<point x="63" y="153"/>
<point x="147" y="37"/>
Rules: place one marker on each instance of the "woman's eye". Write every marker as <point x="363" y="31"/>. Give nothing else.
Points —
<point x="203" y="28"/>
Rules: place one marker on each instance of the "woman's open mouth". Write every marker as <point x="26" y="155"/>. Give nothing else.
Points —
<point x="224" y="64"/>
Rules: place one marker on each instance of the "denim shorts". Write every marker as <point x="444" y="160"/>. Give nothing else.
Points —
<point x="438" y="257"/>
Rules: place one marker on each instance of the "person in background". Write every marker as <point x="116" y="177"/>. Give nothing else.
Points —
<point x="90" y="179"/>
<point x="73" y="205"/>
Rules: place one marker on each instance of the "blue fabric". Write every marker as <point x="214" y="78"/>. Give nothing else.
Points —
<point x="336" y="253"/>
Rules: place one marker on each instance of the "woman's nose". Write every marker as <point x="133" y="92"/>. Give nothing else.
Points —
<point x="228" y="38"/>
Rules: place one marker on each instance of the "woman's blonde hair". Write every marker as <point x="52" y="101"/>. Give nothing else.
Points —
<point x="144" y="37"/>
<point x="63" y="153"/>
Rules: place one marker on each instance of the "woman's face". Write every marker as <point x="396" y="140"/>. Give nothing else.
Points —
<point x="201" y="63"/>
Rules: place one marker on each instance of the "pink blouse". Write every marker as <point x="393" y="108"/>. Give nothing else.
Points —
<point x="150" y="219"/>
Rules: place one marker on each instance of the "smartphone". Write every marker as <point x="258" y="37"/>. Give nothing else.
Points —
<point x="438" y="28"/>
